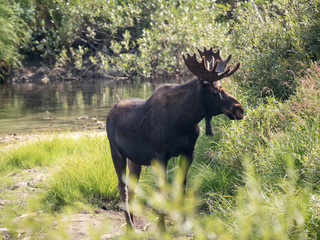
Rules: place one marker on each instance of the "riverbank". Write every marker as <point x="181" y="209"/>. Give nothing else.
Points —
<point x="32" y="169"/>
<point x="22" y="189"/>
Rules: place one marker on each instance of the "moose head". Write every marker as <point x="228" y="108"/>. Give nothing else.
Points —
<point x="210" y="71"/>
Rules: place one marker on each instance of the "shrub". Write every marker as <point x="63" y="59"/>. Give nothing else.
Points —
<point x="79" y="35"/>
<point x="127" y="37"/>
<point x="12" y="35"/>
<point x="275" y="41"/>
<point x="177" y="27"/>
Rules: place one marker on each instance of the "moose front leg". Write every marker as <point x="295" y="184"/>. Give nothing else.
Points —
<point x="120" y="164"/>
<point x="209" y="130"/>
<point x="134" y="172"/>
<point x="163" y="162"/>
<point x="185" y="163"/>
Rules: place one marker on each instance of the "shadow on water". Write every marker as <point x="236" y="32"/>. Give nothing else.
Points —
<point x="33" y="107"/>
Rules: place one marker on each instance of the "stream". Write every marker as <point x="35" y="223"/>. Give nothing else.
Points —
<point x="35" y="107"/>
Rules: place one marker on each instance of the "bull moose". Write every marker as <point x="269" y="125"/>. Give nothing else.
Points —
<point x="166" y="124"/>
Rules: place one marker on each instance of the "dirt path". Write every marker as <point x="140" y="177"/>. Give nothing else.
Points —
<point x="19" y="187"/>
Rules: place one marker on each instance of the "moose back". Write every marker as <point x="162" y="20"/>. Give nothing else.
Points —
<point x="166" y="124"/>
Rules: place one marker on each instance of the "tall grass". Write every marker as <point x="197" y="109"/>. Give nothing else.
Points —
<point x="256" y="212"/>
<point x="82" y="167"/>
<point x="88" y="177"/>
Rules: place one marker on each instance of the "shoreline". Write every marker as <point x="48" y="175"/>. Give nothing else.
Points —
<point x="23" y="137"/>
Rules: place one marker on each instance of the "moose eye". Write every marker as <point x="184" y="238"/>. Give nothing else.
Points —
<point x="216" y="90"/>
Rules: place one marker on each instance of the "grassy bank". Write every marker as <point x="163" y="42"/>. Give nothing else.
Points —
<point x="82" y="169"/>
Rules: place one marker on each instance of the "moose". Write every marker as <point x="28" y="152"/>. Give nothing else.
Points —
<point x="166" y="124"/>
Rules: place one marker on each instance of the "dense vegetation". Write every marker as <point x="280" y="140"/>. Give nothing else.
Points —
<point x="274" y="40"/>
<point x="255" y="179"/>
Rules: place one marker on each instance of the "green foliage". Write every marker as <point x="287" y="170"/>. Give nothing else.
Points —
<point x="12" y="36"/>
<point x="176" y="27"/>
<point x="124" y="36"/>
<point x="275" y="41"/>
<point x="80" y="34"/>
<point x="127" y="37"/>
<point x="261" y="214"/>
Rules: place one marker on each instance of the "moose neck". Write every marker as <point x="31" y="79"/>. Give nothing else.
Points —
<point x="191" y="109"/>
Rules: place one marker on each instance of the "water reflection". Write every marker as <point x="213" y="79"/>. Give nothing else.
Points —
<point x="25" y="108"/>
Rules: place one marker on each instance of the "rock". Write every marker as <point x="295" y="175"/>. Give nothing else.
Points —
<point x="12" y="174"/>
<point x="4" y="202"/>
<point x="5" y="234"/>
<point x="82" y="118"/>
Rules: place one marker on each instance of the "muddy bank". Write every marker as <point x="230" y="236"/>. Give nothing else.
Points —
<point x="28" y="183"/>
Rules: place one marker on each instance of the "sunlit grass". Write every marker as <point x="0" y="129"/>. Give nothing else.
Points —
<point x="89" y="177"/>
<point x="81" y="167"/>
<point x="41" y="150"/>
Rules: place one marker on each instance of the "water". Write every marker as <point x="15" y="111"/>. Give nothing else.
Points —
<point x="28" y="108"/>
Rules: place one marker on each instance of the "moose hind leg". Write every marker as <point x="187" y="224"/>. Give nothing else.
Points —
<point x="120" y="164"/>
<point x="134" y="172"/>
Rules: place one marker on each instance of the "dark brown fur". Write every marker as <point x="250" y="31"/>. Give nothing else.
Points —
<point x="164" y="126"/>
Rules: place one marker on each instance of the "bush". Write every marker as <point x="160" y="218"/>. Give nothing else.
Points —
<point x="127" y="37"/>
<point x="176" y="27"/>
<point x="78" y="36"/>
<point x="12" y="35"/>
<point x="275" y="41"/>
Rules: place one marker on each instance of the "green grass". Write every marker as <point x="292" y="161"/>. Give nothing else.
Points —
<point x="89" y="177"/>
<point x="39" y="151"/>
<point x="82" y="168"/>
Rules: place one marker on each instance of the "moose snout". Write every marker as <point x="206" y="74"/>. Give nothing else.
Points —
<point x="239" y="115"/>
<point x="235" y="113"/>
<point x="238" y="112"/>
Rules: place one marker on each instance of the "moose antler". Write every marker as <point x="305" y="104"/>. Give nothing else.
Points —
<point x="212" y="67"/>
<point x="208" y="54"/>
